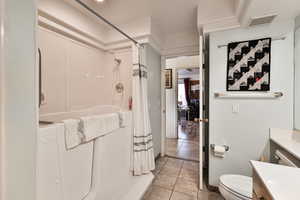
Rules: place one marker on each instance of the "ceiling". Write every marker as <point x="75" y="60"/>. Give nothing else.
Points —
<point x="169" y="15"/>
<point x="175" y="16"/>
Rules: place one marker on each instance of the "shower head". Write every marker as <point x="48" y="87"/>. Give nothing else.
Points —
<point x="118" y="61"/>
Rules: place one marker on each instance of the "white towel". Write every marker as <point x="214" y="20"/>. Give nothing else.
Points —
<point x="124" y="119"/>
<point x="112" y="122"/>
<point x="93" y="127"/>
<point x="73" y="137"/>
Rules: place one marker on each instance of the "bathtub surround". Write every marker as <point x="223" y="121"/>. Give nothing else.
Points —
<point x="246" y="131"/>
<point x="74" y="74"/>
<point x="143" y="158"/>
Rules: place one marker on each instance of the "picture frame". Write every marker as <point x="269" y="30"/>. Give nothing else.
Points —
<point x="168" y="79"/>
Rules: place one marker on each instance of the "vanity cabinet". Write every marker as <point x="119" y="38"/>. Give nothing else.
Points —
<point x="259" y="190"/>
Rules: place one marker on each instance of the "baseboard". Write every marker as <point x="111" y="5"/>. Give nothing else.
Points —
<point x="212" y="188"/>
<point x="191" y="160"/>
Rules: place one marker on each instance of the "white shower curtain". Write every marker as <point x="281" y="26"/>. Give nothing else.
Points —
<point x="143" y="155"/>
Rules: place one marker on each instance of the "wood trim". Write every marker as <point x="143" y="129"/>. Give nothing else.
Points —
<point x="212" y="188"/>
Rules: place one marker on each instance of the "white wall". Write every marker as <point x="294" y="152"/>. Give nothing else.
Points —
<point x="19" y="103"/>
<point x="171" y="102"/>
<point x="246" y="133"/>
<point x="153" y="62"/>
<point x="297" y="76"/>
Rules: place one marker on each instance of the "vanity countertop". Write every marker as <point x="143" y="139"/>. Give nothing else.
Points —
<point x="287" y="139"/>
<point x="282" y="182"/>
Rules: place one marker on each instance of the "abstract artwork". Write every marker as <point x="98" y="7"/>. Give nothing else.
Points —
<point x="248" y="65"/>
<point x="168" y="79"/>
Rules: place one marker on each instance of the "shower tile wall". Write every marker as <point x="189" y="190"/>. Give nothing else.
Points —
<point x="77" y="76"/>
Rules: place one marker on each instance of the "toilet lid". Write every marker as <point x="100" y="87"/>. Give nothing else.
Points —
<point x="239" y="184"/>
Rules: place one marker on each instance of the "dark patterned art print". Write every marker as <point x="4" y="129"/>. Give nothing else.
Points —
<point x="249" y="65"/>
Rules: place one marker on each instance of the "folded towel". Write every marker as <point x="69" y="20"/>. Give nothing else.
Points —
<point x="73" y="137"/>
<point x="112" y="122"/>
<point x="124" y="118"/>
<point x="93" y="127"/>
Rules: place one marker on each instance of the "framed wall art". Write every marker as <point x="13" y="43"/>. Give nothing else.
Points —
<point x="168" y="78"/>
<point x="249" y="65"/>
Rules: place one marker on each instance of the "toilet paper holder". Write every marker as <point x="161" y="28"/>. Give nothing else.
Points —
<point x="225" y="146"/>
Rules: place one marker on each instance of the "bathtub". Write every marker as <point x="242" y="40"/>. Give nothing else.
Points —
<point x="99" y="170"/>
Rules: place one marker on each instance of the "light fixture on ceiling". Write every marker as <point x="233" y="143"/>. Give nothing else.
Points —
<point x="99" y="1"/>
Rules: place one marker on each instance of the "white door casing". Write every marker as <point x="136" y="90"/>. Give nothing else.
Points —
<point x="201" y="113"/>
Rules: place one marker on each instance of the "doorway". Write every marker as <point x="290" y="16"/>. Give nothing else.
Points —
<point x="177" y="123"/>
<point x="184" y="143"/>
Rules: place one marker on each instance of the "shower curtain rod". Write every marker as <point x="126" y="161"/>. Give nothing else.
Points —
<point x="106" y="21"/>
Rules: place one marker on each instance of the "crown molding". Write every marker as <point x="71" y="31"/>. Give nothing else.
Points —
<point x="56" y="25"/>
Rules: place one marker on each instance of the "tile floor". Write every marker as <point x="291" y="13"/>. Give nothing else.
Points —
<point x="186" y="147"/>
<point x="176" y="179"/>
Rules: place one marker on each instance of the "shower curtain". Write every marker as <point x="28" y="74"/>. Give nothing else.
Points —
<point x="143" y="154"/>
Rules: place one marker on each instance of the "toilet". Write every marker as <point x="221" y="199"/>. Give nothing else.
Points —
<point x="236" y="187"/>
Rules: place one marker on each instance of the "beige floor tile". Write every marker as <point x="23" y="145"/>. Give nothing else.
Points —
<point x="170" y="171"/>
<point x="205" y="195"/>
<point x="147" y="193"/>
<point x="176" y="163"/>
<point x="190" y="155"/>
<point x="171" y="153"/>
<point x="158" y="193"/>
<point x="191" y="165"/>
<point x="164" y="181"/>
<point x="186" y="186"/>
<point x="205" y="189"/>
<point x="182" y="196"/>
<point x="160" y="163"/>
<point x="188" y="174"/>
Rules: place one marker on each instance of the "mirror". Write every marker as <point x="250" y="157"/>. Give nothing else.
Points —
<point x="297" y="76"/>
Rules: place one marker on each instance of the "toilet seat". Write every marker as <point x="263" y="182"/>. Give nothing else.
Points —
<point x="237" y="185"/>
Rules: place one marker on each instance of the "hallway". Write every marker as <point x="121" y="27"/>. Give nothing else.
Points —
<point x="186" y="146"/>
<point x="177" y="180"/>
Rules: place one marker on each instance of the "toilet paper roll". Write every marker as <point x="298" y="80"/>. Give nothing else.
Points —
<point x="219" y="151"/>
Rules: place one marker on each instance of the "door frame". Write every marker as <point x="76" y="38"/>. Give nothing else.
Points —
<point x="163" y="102"/>
<point x="163" y="96"/>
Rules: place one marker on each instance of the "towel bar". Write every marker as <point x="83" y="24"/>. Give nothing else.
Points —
<point x="273" y="95"/>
